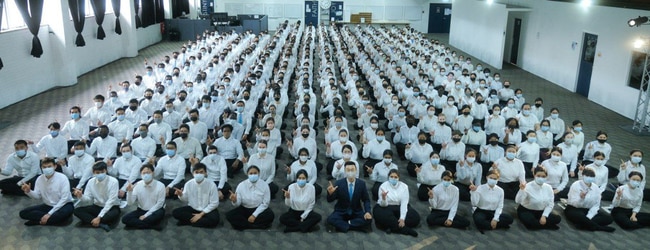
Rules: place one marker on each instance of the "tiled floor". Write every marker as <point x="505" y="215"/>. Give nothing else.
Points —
<point x="29" y="119"/>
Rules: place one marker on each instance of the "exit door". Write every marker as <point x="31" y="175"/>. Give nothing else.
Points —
<point x="516" y="33"/>
<point x="439" y="18"/>
<point x="587" y="56"/>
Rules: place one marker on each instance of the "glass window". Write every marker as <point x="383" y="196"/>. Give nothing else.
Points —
<point x="11" y="18"/>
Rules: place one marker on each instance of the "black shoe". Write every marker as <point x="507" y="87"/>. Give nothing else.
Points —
<point x="388" y="231"/>
<point x="330" y="228"/>
<point x="291" y="229"/>
<point x="157" y="227"/>
<point x="105" y="227"/>
<point x="313" y="229"/>
<point x="607" y="229"/>
<point x="30" y="223"/>
<point x="409" y="231"/>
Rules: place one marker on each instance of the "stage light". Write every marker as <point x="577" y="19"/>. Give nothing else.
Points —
<point x="637" y="21"/>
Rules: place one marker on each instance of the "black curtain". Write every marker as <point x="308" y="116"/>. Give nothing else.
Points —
<point x="32" y="11"/>
<point x="138" y="13"/>
<point x="148" y="14"/>
<point x="78" y="13"/>
<point x="2" y="4"/>
<point x="116" y="9"/>
<point x="180" y="6"/>
<point x="160" y="11"/>
<point x="99" y="7"/>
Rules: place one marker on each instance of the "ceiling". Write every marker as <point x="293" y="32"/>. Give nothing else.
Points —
<point x="627" y="4"/>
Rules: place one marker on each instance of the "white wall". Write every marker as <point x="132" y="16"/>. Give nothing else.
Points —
<point x="62" y="61"/>
<point x="479" y="29"/>
<point x="403" y="11"/>
<point x="545" y="49"/>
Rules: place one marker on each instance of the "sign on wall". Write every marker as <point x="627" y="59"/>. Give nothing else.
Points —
<point x="311" y="13"/>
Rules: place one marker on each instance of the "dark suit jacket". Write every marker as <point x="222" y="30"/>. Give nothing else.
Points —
<point x="341" y="194"/>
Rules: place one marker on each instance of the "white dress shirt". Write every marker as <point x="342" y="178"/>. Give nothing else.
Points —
<point x="266" y="164"/>
<point x="229" y="148"/>
<point x="445" y="199"/>
<point x="338" y="171"/>
<point x="199" y="131"/>
<point x="126" y="169"/>
<point x="453" y="151"/>
<point x="171" y="168"/>
<point x="375" y="149"/>
<point x="418" y="153"/>
<point x="217" y="169"/>
<point x="55" y="147"/>
<point x="102" y="194"/>
<point x="467" y="174"/>
<point x="308" y="166"/>
<point x="429" y="174"/>
<point x="301" y="198"/>
<point x="53" y="191"/>
<point x="26" y="167"/>
<point x="188" y="147"/>
<point x="595" y="146"/>
<point x="569" y="155"/>
<point x="104" y="147"/>
<point x="442" y="134"/>
<point x="77" y="130"/>
<point x="511" y="171"/>
<point x="202" y="196"/>
<point x="601" y="178"/>
<point x="623" y="175"/>
<point x="537" y="197"/>
<point x="121" y="130"/>
<point x="397" y="195"/>
<point x="143" y="148"/>
<point x="557" y="175"/>
<point x="544" y="139"/>
<point x="380" y="171"/>
<point x="407" y="135"/>
<point x="253" y="195"/>
<point x="309" y="144"/>
<point x="528" y="152"/>
<point x="79" y="168"/>
<point x="149" y="196"/>
<point x="336" y="150"/>
<point x="157" y="130"/>
<point x="632" y="198"/>
<point x="591" y="200"/>
<point x="491" y="153"/>
<point x="488" y="198"/>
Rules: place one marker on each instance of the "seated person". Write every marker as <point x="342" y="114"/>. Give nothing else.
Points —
<point x="300" y="197"/>
<point x="251" y="200"/>
<point x="202" y="197"/>
<point x="54" y="189"/>
<point x="149" y="196"/>
<point x="102" y="192"/>
<point x="351" y="192"/>
<point x="393" y="211"/>
<point x="26" y="164"/>
<point x="444" y="204"/>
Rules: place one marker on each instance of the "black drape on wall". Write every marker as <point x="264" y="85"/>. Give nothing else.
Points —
<point x="78" y="13"/>
<point x="148" y="12"/>
<point x="32" y="14"/>
<point x="138" y="13"/>
<point x="99" y="7"/>
<point x="160" y="11"/>
<point x="180" y="6"/>
<point x="116" y="9"/>
<point x="2" y="4"/>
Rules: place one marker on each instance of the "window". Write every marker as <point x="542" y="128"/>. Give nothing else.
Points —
<point x="89" y="8"/>
<point x="11" y="18"/>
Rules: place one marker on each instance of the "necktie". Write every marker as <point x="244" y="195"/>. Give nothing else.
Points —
<point x="351" y="190"/>
<point x="240" y="119"/>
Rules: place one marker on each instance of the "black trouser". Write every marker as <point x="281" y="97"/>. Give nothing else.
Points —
<point x="528" y="169"/>
<point x="622" y="217"/>
<point x="238" y="218"/>
<point x="232" y="170"/>
<point x="463" y="191"/>
<point x="35" y="213"/>
<point x="375" y="190"/>
<point x="292" y="220"/>
<point x="562" y="194"/>
<point x="483" y="219"/>
<point x="387" y="217"/>
<point x="330" y="166"/>
<point x="225" y="191"/>
<point x="438" y="218"/>
<point x="132" y="219"/>
<point x="578" y="216"/>
<point x="185" y="214"/>
<point x="510" y="189"/>
<point x="274" y="189"/>
<point x="9" y="186"/>
<point x="410" y="168"/>
<point x="530" y="218"/>
<point x="369" y="163"/>
<point x="423" y="192"/>
<point x="401" y="148"/>
<point x="88" y="213"/>
<point x="449" y="165"/>
<point x="179" y="185"/>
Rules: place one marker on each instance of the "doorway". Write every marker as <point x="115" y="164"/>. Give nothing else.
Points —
<point x="516" y="33"/>
<point x="439" y="18"/>
<point x="587" y="56"/>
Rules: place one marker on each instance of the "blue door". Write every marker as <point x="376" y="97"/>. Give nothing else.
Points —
<point x="587" y="57"/>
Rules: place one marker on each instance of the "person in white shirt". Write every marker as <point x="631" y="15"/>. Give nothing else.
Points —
<point x="428" y="175"/>
<point x="544" y="139"/>
<point x="583" y="205"/>
<point x="149" y="196"/>
<point x="511" y="135"/>
<point x="417" y="153"/>
<point x="79" y="166"/>
<point x="121" y="128"/>
<point x="230" y="149"/>
<point x="144" y="147"/>
<point x="266" y="165"/>
<point x="538" y="110"/>
<point x="335" y="149"/>
<point x="453" y="151"/>
<point x="536" y="201"/>
<point x="557" y="124"/>
<point x="474" y="138"/>
<point x="187" y="146"/>
<point x="300" y="198"/>
<point x="202" y="197"/>
<point x="578" y="135"/>
<point x="569" y="153"/>
<point x="627" y="204"/>
<point x="556" y="173"/>
<point x="599" y="145"/>
<point x="528" y="153"/>
<point x="634" y="164"/>
<point x="54" y="190"/>
<point x="443" y="200"/>
<point x="393" y="211"/>
<point x="373" y="150"/>
<point x="26" y="164"/>
<point x="125" y="168"/>
<point x="99" y="114"/>
<point x="511" y="173"/>
<point x="135" y="114"/>
<point x="170" y="169"/>
<point x="338" y="170"/>
<point x="469" y="172"/>
<point x="487" y="203"/>
<point x="77" y="129"/>
<point x="102" y="192"/>
<point x="491" y="152"/>
<point x="251" y="200"/>
<point x="104" y="146"/>
<point x="379" y="173"/>
<point x="55" y="146"/>
<point x="216" y="171"/>
<point x="197" y="128"/>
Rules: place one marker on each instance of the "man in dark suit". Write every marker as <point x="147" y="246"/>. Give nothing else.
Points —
<point x="349" y="212"/>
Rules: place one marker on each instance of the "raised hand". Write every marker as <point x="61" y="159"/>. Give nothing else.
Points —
<point x="287" y="194"/>
<point x="369" y="170"/>
<point x="77" y="193"/>
<point x="493" y="224"/>
<point x="619" y="193"/>
<point x="178" y="192"/>
<point x="26" y="187"/>
<point x="418" y="168"/>
<point x="522" y="186"/>
<point x="331" y="188"/>
<point x="384" y="193"/>
<point x="430" y="193"/>
<point x="233" y="196"/>
<point x="623" y="165"/>
<point x="129" y="187"/>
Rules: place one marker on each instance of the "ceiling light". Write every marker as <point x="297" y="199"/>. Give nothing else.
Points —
<point x="637" y="21"/>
